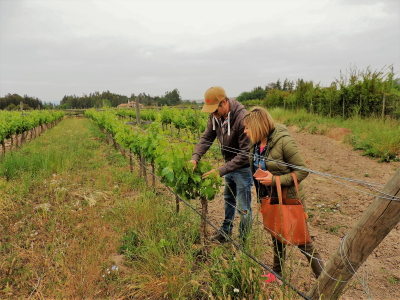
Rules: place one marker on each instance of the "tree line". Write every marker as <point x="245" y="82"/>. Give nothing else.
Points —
<point x="356" y="93"/>
<point x="93" y="100"/>
<point x="13" y="102"/>
<point x="109" y="99"/>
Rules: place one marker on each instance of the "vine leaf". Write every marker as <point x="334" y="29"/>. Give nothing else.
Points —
<point x="168" y="173"/>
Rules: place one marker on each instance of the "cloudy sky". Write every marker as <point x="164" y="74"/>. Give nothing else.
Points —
<point x="53" y="48"/>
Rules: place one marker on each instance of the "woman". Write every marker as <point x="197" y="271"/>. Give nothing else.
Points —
<point x="273" y="150"/>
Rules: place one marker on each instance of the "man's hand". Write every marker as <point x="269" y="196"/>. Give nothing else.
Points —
<point x="267" y="180"/>
<point x="205" y="175"/>
<point x="193" y="162"/>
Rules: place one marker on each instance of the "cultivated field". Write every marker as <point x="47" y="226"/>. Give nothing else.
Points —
<point x="77" y="224"/>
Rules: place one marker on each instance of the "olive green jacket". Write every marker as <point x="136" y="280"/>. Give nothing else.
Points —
<point x="282" y="158"/>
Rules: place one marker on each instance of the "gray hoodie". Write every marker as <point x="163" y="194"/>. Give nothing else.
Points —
<point x="235" y="145"/>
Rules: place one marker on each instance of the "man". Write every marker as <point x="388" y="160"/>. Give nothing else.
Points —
<point x="226" y="124"/>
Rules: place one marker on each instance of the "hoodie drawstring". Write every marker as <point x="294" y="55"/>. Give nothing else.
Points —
<point x="229" y="124"/>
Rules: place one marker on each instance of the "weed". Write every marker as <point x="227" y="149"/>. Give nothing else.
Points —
<point x="129" y="244"/>
<point x="233" y="275"/>
<point x="313" y="129"/>
<point x="335" y="229"/>
<point x="393" y="280"/>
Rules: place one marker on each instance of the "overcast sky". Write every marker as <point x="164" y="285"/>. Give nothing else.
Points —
<point x="53" y="48"/>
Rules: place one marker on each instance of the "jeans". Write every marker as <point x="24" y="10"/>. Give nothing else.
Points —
<point x="237" y="192"/>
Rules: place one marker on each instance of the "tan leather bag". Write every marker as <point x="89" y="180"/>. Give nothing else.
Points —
<point x="285" y="218"/>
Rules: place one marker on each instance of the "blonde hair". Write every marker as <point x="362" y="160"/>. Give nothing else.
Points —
<point x="259" y="123"/>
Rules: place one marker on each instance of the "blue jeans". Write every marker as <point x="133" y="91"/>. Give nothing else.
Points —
<point x="238" y="193"/>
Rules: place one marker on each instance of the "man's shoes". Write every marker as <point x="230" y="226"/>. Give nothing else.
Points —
<point x="221" y="237"/>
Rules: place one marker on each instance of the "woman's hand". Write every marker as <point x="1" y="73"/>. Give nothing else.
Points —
<point x="267" y="180"/>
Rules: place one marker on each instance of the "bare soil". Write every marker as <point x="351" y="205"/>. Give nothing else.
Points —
<point x="334" y="207"/>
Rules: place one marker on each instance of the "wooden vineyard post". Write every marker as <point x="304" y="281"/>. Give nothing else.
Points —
<point x="22" y="138"/>
<point x="142" y="159"/>
<point x="177" y="203"/>
<point x="114" y="142"/>
<point x="153" y="170"/>
<point x="123" y="151"/>
<point x="130" y="161"/>
<point x="376" y="222"/>
<point x="203" y="225"/>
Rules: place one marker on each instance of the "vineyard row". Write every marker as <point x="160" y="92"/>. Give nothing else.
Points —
<point x="13" y="124"/>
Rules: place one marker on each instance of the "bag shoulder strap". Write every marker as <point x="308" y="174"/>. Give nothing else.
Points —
<point x="278" y="188"/>
<point x="296" y="183"/>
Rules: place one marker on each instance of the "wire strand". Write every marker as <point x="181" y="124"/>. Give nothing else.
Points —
<point x="329" y="176"/>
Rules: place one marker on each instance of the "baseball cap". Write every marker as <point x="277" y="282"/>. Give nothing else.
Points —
<point x="212" y="97"/>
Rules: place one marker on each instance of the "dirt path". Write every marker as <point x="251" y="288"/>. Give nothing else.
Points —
<point x="334" y="209"/>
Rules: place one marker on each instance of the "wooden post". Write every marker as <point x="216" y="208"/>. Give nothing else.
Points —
<point x="383" y="106"/>
<point x="177" y="203"/>
<point x="3" y="146"/>
<point x="376" y="222"/>
<point x="142" y="159"/>
<point x="122" y="150"/>
<point x="153" y="170"/>
<point x="114" y="142"/>
<point x="130" y="161"/>
<point x="203" y="225"/>
<point x="143" y="166"/>
<point x="137" y="111"/>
